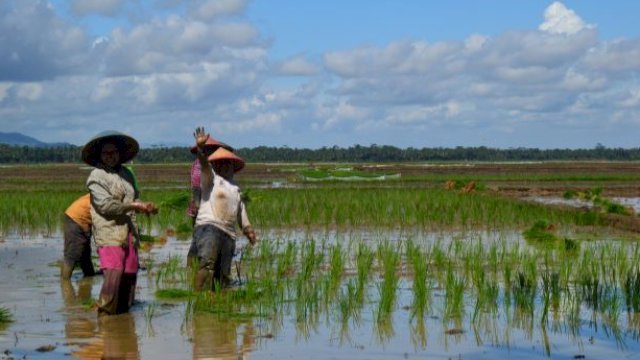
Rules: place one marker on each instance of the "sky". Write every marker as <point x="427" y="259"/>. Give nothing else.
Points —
<point x="309" y="74"/>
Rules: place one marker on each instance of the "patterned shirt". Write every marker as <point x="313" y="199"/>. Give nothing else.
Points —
<point x="192" y="209"/>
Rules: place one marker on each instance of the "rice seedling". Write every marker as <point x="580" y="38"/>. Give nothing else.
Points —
<point x="364" y="263"/>
<point x="171" y="271"/>
<point x="5" y="316"/>
<point x="454" y="295"/>
<point x="149" y="312"/>
<point x="421" y="281"/>
<point x="173" y="294"/>
<point x="631" y="291"/>
<point x="336" y="269"/>
<point x="390" y="258"/>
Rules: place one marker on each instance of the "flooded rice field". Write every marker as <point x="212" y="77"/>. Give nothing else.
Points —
<point x="495" y="302"/>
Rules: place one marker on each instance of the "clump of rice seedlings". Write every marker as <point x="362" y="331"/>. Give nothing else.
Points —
<point x="541" y="232"/>
<point x="631" y="291"/>
<point x="390" y="259"/>
<point x="5" y="316"/>
<point x="336" y="269"/>
<point x="524" y="292"/>
<point x="550" y="294"/>
<point x="570" y="194"/>
<point x="364" y="263"/>
<point x="421" y="282"/>
<point x="307" y="293"/>
<point x="149" y="312"/>
<point x="173" y="294"/>
<point x="286" y="261"/>
<point x="171" y="271"/>
<point x="454" y="295"/>
<point x="183" y="230"/>
<point x="347" y="306"/>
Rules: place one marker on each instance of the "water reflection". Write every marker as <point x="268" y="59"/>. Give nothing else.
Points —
<point x="80" y="323"/>
<point x="106" y="337"/>
<point x="116" y="339"/>
<point x="218" y="338"/>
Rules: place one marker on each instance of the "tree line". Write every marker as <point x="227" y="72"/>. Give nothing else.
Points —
<point x="10" y="154"/>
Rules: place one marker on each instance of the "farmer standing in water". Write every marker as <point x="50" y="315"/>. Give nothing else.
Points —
<point x="114" y="203"/>
<point x="221" y="209"/>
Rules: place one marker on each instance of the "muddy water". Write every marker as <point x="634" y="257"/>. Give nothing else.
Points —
<point x="53" y="320"/>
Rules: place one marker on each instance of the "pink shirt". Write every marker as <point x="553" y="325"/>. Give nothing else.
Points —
<point x="192" y="210"/>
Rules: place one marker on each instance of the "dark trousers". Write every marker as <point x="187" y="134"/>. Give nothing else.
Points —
<point x="77" y="249"/>
<point x="215" y="250"/>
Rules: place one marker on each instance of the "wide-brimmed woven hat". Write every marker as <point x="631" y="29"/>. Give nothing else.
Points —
<point x="224" y="154"/>
<point x="212" y="145"/>
<point x="127" y="146"/>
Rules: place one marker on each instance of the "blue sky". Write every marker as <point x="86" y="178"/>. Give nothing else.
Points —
<point x="308" y="73"/>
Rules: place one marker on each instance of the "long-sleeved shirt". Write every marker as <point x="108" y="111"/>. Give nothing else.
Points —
<point x="111" y="193"/>
<point x="221" y="204"/>
<point x="192" y="210"/>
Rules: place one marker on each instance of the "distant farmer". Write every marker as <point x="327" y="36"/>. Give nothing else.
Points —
<point x="194" y="202"/>
<point x="221" y="210"/>
<point x="77" y="238"/>
<point x="114" y="203"/>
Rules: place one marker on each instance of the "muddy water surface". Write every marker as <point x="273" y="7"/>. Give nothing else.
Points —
<point x="54" y="320"/>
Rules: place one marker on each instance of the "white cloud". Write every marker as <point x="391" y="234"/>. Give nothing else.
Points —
<point x="101" y="7"/>
<point x="298" y="66"/>
<point x="475" y="42"/>
<point x="214" y="66"/>
<point x="41" y="45"/>
<point x="561" y="20"/>
<point x="210" y="9"/>
<point x="29" y="91"/>
<point x="633" y="99"/>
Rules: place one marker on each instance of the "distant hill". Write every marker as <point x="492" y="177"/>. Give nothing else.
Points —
<point x="18" y="139"/>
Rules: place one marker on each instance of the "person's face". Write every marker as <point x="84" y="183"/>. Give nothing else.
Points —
<point x="110" y="155"/>
<point x="223" y="168"/>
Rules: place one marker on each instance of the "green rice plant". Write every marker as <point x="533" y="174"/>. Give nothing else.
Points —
<point x="421" y="282"/>
<point x="286" y="262"/>
<point x="173" y="294"/>
<point x="336" y="267"/>
<point x="524" y="291"/>
<point x="550" y="294"/>
<point x="171" y="271"/>
<point x="631" y="291"/>
<point x="307" y="293"/>
<point x="390" y="259"/>
<point x="454" y="295"/>
<point x="487" y="292"/>
<point x="539" y="232"/>
<point x="149" y="312"/>
<point x="5" y="316"/>
<point x="347" y="306"/>
<point x="570" y="194"/>
<point x="364" y="262"/>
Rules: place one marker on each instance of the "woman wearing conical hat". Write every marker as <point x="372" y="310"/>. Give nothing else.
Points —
<point x="221" y="211"/>
<point x="114" y="203"/>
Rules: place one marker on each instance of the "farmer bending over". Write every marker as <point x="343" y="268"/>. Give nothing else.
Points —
<point x="77" y="238"/>
<point x="221" y="208"/>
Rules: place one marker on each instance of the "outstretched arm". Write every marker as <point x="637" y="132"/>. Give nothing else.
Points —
<point x="205" y="169"/>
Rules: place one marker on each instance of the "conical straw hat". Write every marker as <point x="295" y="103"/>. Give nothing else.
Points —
<point x="127" y="146"/>
<point x="224" y="154"/>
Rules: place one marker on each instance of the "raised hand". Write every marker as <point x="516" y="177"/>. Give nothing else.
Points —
<point x="201" y="136"/>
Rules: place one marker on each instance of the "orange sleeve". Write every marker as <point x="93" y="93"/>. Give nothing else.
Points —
<point x="80" y="211"/>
